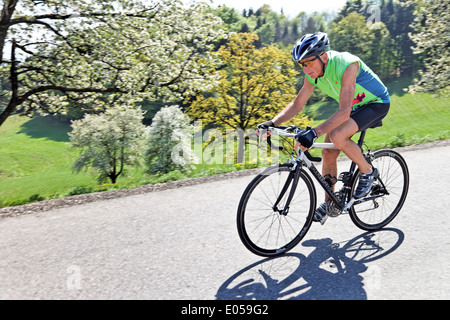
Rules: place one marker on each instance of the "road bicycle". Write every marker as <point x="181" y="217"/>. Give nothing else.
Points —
<point x="276" y="209"/>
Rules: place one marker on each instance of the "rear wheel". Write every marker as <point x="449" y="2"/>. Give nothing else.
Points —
<point x="388" y="194"/>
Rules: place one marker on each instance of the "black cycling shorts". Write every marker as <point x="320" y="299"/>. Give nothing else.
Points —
<point x="370" y="115"/>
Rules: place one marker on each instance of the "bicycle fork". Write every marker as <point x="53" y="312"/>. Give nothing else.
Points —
<point x="293" y="177"/>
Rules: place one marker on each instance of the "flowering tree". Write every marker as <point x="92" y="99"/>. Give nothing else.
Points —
<point x="109" y="141"/>
<point x="100" y="53"/>
<point x="432" y="39"/>
<point x="169" y="141"/>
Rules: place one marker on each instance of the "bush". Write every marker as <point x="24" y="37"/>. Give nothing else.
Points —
<point x="397" y="141"/>
<point x="80" y="190"/>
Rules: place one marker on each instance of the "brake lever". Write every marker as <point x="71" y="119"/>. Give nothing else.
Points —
<point x="259" y="139"/>
<point x="260" y="136"/>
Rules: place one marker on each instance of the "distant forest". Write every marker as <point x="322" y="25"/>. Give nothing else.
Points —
<point x="377" y="33"/>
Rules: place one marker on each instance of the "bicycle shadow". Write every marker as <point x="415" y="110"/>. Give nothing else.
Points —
<point x="331" y="271"/>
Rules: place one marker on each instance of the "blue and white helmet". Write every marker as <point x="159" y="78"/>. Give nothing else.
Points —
<point x="311" y="44"/>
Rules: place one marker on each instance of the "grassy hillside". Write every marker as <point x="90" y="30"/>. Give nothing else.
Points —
<point x="35" y="159"/>
<point x="412" y="119"/>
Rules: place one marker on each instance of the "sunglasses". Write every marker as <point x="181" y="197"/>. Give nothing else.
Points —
<point x="308" y="63"/>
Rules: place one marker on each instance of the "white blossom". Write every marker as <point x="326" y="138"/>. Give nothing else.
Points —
<point x="169" y="141"/>
<point x="121" y="49"/>
<point x="109" y="141"/>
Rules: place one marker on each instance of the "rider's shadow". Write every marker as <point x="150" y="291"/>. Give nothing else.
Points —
<point x="330" y="271"/>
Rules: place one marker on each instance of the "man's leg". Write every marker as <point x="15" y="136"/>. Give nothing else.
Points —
<point x="341" y="139"/>
<point x="329" y="163"/>
<point x="329" y="167"/>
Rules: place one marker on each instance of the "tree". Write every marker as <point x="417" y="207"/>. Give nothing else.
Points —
<point x="395" y="48"/>
<point x="96" y="53"/>
<point x="351" y="34"/>
<point x="310" y="26"/>
<point x="109" y="141"/>
<point x="266" y="34"/>
<point x="383" y="52"/>
<point x="169" y="141"/>
<point x="432" y="39"/>
<point x="372" y="44"/>
<point x="231" y="18"/>
<point x="349" y="7"/>
<point x="407" y="62"/>
<point x="254" y="86"/>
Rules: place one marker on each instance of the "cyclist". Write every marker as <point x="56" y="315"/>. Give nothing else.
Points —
<point x="363" y="102"/>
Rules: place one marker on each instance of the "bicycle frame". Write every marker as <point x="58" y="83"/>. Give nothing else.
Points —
<point x="304" y="159"/>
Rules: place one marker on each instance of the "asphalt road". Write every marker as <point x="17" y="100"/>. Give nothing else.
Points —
<point x="183" y="244"/>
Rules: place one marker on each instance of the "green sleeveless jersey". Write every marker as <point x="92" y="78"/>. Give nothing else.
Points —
<point x="369" y="88"/>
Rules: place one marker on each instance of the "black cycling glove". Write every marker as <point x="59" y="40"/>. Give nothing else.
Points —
<point x="265" y="125"/>
<point x="307" y="138"/>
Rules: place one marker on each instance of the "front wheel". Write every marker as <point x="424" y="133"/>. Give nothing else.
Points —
<point x="266" y="226"/>
<point x="388" y="194"/>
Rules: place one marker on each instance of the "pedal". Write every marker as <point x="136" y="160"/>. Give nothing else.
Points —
<point x="345" y="177"/>
<point x="325" y="217"/>
<point x="330" y="180"/>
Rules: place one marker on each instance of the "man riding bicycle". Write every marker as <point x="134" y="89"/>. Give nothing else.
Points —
<point x="363" y="102"/>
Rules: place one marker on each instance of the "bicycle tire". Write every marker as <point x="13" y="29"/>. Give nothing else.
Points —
<point x="375" y="214"/>
<point x="262" y="229"/>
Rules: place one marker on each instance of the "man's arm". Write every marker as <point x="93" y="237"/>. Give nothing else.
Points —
<point x="296" y="106"/>
<point x="348" y="85"/>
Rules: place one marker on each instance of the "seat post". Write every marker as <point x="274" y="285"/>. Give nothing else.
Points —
<point x="361" y="138"/>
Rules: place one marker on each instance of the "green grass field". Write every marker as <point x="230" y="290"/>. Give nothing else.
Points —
<point x="412" y="119"/>
<point x="36" y="160"/>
